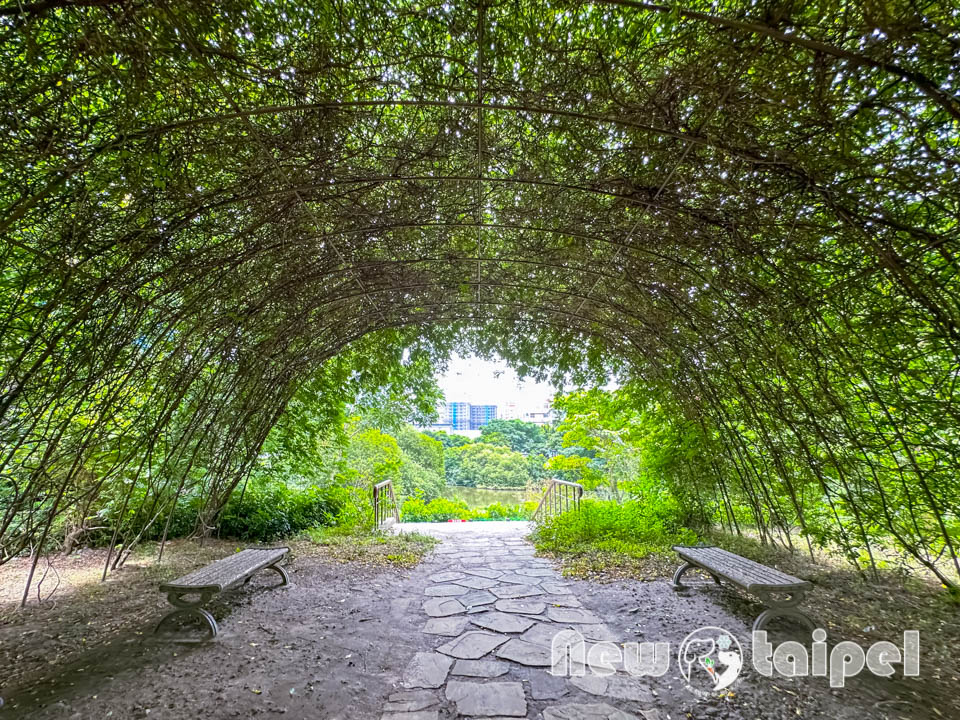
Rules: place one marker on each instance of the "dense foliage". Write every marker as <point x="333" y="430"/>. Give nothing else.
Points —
<point x="748" y="210"/>
<point x="443" y="510"/>
<point x="630" y="528"/>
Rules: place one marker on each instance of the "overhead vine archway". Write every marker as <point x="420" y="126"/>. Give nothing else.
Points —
<point x="752" y="208"/>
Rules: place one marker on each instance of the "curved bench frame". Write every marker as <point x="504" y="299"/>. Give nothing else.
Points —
<point x="779" y="592"/>
<point x="179" y="591"/>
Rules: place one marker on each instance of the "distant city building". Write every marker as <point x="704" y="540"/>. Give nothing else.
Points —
<point x="461" y="417"/>
<point x="508" y="411"/>
<point x="458" y="415"/>
<point x="542" y="415"/>
<point x="480" y="415"/>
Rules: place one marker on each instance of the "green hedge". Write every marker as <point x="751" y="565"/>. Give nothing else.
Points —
<point x="270" y="511"/>
<point x="443" y="509"/>
<point x="633" y="528"/>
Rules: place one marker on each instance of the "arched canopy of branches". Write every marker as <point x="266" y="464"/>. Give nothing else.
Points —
<point x="752" y="207"/>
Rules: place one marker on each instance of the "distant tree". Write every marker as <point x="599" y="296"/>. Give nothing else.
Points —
<point x="422" y="449"/>
<point x="519" y="435"/>
<point x="452" y="461"/>
<point x="373" y="457"/>
<point x="448" y="440"/>
<point x="485" y="465"/>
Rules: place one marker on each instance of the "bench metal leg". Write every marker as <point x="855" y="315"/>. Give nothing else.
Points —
<point x="779" y="607"/>
<point x="186" y="608"/>
<point x="283" y="574"/>
<point x="676" y="585"/>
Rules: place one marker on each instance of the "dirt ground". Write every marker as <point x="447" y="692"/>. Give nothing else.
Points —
<point x="841" y="602"/>
<point x="335" y="643"/>
<point x="313" y="649"/>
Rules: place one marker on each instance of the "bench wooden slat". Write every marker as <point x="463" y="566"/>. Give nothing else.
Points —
<point x="741" y="571"/>
<point x="227" y="572"/>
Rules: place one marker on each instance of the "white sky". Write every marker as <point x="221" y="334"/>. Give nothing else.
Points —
<point x="483" y="382"/>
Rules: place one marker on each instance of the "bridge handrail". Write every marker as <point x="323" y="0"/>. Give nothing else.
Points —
<point x="558" y="498"/>
<point x="385" y="510"/>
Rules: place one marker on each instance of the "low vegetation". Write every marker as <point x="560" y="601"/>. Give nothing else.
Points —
<point x="353" y="545"/>
<point x="443" y="510"/>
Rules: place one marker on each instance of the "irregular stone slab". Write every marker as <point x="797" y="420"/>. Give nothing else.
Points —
<point x="586" y="711"/>
<point x="598" y="633"/>
<point x="573" y="615"/>
<point x="625" y="687"/>
<point x="445" y="626"/>
<point x="516" y="579"/>
<point x="563" y="601"/>
<point x="418" y="715"/>
<point x="488" y="699"/>
<point x="441" y="607"/>
<point x="505" y="565"/>
<point x="472" y="645"/>
<point x="477" y="598"/>
<point x="621" y="687"/>
<point x="477" y="583"/>
<point x="542" y="634"/>
<point x="537" y="572"/>
<point x="545" y="686"/>
<point x="527" y="607"/>
<point x="445" y="590"/>
<point x="502" y="622"/>
<point x="426" y="670"/>
<point x="509" y="592"/>
<point x="480" y="668"/>
<point x="410" y="701"/>
<point x="484" y="573"/>
<point x="444" y="577"/>
<point x="525" y="653"/>
<point x="555" y="588"/>
<point x="590" y="683"/>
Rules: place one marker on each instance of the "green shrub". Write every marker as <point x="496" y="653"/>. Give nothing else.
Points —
<point x="437" y="510"/>
<point x="443" y="509"/>
<point x="632" y="528"/>
<point x="271" y="510"/>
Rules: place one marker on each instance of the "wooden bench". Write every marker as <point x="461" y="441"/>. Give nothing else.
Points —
<point x="223" y="574"/>
<point x="779" y="592"/>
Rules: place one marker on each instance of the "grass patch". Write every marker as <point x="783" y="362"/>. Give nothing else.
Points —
<point x="366" y="547"/>
<point x="606" y="541"/>
<point x="443" y="509"/>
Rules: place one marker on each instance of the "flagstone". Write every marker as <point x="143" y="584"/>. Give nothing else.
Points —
<point x="573" y="615"/>
<point x="445" y="590"/>
<point x="527" y="607"/>
<point x="502" y="622"/>
<point x="488" y="699"/>
<point x="441" y="607"/>
<point x="472" y="645"/>
<point x="426" y="670"/>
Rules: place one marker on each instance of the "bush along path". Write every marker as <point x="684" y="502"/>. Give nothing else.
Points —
<point x="492" y="613"/>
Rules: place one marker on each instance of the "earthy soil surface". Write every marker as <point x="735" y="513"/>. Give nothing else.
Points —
<point x="338" y="642"/>
<point x="314" y="649"/>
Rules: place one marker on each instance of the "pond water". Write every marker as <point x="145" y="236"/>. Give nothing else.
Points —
<point x="481" y="497"/>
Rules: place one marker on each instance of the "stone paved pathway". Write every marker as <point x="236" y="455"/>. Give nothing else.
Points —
<point x="491" y="611"/>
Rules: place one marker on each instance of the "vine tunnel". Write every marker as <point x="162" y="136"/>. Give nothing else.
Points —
<point x="749" y="208"/>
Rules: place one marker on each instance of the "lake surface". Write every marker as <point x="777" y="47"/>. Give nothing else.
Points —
<point x="481" y="497"/>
